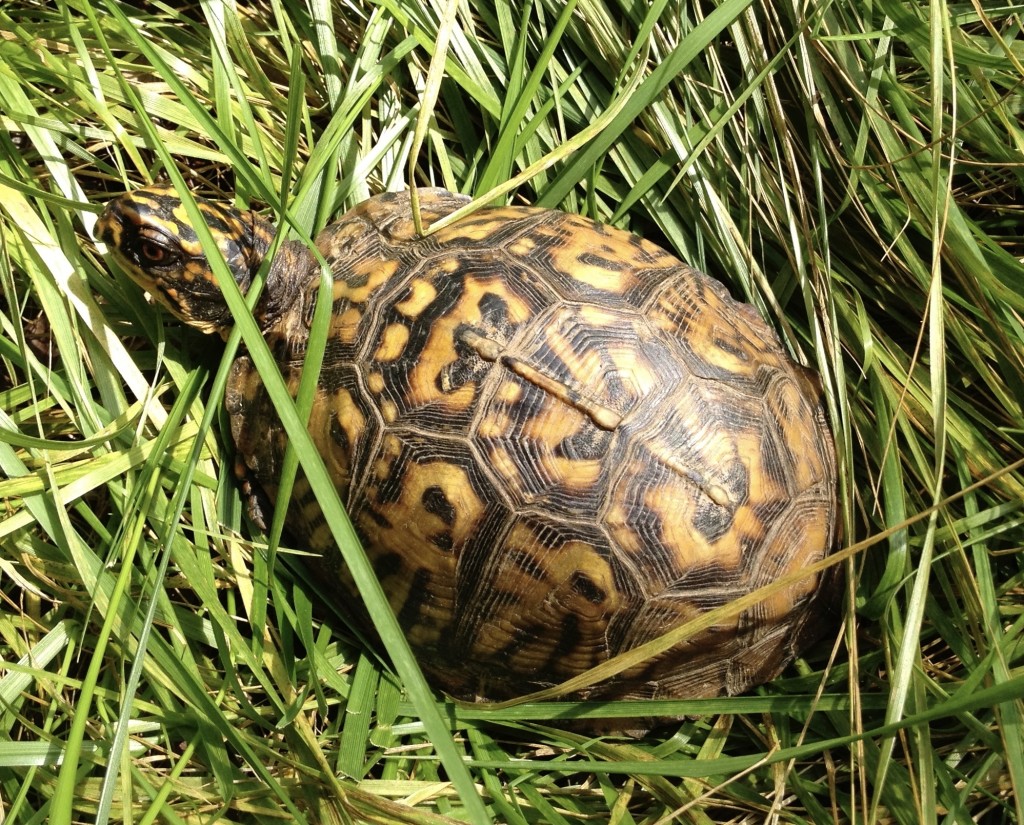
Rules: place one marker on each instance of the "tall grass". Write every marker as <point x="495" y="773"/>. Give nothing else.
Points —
<point x="853" y="170"/>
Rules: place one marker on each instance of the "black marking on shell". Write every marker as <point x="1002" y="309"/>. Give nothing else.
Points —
<point x="494" y="312"/>
<point x="586" y="587"/>
<point x="443" y="541"/>
<point x="437" y="503"/>
<point x="418" y="595"/>
<point x="568" y="641"/>
<point x="387" y="564"/>
<point x="377" y="518"/>
<point x="603" y="261"/>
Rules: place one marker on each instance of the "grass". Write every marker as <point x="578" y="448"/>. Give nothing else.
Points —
<point x="853" y="170"/>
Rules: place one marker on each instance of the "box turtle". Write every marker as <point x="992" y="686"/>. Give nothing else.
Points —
<point x="556" y="441"/>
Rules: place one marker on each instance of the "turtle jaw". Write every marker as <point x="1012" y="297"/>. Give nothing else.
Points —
<point x="149" y="234"/>
<point x="166" y="292"/>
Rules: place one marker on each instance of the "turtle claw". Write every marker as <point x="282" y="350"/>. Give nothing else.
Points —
<point x="257" y="505"/>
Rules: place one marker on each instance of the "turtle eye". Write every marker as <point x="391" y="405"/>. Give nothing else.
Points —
<point x="153" y="253"/>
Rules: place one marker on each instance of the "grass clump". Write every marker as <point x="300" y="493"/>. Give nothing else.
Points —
<point x="853" y="170"/>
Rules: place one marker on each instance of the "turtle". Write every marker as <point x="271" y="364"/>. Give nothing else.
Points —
<point x="556" y="441"/>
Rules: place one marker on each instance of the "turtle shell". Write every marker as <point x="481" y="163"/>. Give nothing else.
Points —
<point x="557" y="442"/>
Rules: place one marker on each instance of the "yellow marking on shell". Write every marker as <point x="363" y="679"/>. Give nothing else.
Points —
<point x="523" y="247"/>
<point x="748" y="529"/>
<point x="677" y="506"/>
<point x="406" y="528"/>
<point x="321" y="538"/>
<point x="509" y="393"/>
<point x="440" y="351"/>
<point x="599" y="260"/>
<point x="345" y="326"/>
<point x="691" y="508"/>
<point x="587" y="385"/>
<point x="575" y="473"/>
<point x="481" y="226"/>
<point x="392" y="343"/>
<point x="507" y="469"/>
<point x="563" y="392"/>
<point x="310" y="509"/>
<point x="540" y="439"/>
<point x="793" y="541"/>
<point x="391" y="214"/>
<point x="337" y="409"/>
<point x="448" y="265"/>
<point x="575" y="557"/>
<point x="459" y="400"/>
<point x="375" y="383"/>
<point x="422" y="294"/>
<point x="766" y="483"/>
<point x="388" y="410"/>
<point x="496" y="425"/>
<point x="573" y="336"/>
<point x="364" y="277"/>
<point x="551" y="424"/>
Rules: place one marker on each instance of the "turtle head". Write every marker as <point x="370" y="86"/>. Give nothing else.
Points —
<point x="150" y="234"/>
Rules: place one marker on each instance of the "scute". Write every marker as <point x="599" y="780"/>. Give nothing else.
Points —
<point x="722" y="339"/>
<point x="431" y="512"/>
<point x="544" y="603"/>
